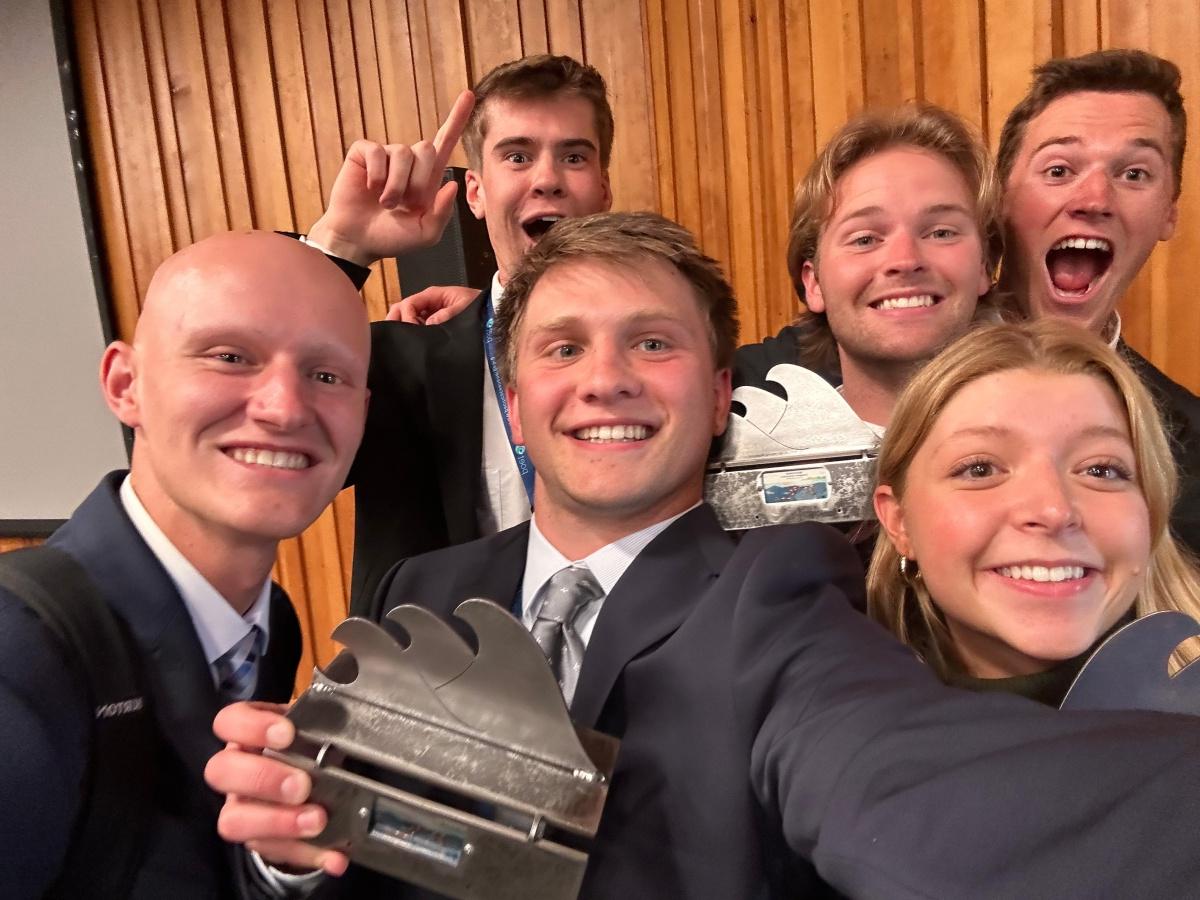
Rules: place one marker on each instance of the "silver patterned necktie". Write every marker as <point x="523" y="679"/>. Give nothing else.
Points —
<point x="567" y="593"/>
<point x="237" y="667"/>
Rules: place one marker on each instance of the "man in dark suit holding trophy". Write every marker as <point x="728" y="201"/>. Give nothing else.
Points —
<point x="772" y="739"/>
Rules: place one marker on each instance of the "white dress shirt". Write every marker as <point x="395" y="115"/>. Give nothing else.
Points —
<point x="503" y="501"/>
<point x="608" y="564"/>
<point x="217" y="624"/>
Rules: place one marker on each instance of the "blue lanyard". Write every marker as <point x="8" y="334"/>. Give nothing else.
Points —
<point x="524" y="464"/>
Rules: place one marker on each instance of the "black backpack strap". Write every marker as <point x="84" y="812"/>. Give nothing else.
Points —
<point x="109" y="835"/>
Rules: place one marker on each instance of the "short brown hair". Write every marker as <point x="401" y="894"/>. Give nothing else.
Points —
<point x="921" y="126"/>
<point x="904" y="605"/>
<point x="627" y="239"/>
<point x="539" y="78"/>
<point x="1107" y="71"/>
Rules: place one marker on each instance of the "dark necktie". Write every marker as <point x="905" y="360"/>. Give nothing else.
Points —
<point x="564" y="597"/>
<point x="237" y="667"/>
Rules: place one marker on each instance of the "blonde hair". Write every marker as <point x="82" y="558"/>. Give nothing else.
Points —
<point x="903" y="605"/>
<point x="920" y="126"/>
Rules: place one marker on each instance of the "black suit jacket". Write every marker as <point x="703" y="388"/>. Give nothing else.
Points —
<point x="1181" y="414"/>
<point x="44" y="716"/>
<point x="769" y="733"/>
<point x="417" y="473"/>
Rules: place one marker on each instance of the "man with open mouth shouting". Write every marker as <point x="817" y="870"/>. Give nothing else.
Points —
<point x="1092" y="163"/>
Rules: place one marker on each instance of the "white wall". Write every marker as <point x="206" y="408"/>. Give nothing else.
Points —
<point x="56" y="435"/>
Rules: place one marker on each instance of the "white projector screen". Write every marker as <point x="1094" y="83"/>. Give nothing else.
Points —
<point x="58" y="436"/>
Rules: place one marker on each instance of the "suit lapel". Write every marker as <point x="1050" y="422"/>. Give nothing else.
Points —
<point x="650" y="601"/>
<point x="496" y="572"/>
<point x="454" y="392"/>
<point x="277" y="668"/>
<point x="137" y="587"/>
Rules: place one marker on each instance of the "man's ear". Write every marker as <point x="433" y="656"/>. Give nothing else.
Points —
<point x="475" y="196"/>
<point x="1168" y="228"/>
<point x="514" y="414"/>
<point x="813" y="298"/>
<point x="119" y="383"/>
<point x="891" y="517"/>
<point x="722" y="392"/>
<point x="607" y="205"/>
<point x="985" y="277"/>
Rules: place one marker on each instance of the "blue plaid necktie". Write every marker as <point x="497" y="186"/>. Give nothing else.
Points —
<point x="237" y="667"/>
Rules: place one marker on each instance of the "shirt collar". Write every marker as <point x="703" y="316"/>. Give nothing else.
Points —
<point x="1112" y="330"/>
<point x="497" y="292"/>
<point x="217" y="624"/>
<point x="608" y="563"/>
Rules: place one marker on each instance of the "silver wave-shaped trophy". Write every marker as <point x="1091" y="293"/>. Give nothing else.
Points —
<point x="806" y="458"/>
<point x="454" y="769"/>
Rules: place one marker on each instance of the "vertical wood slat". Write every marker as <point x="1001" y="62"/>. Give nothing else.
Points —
<point x="713" y="228"/>
<point x="1019" y="34"/>
<point x="739" y="99"/>
<point x="620" y="55"/>
<point x="495" y="31"/>
<point x="534" y="29"/>
<point x="291" y="87"/>
<point x="205" y="115"/>
<point x="950" y="34"/>
<point x="194" y="113"/>
<point x="227" y="123"/>
<point x="178" y="216"/>
<point x="106" y="175"/>
<point x="836" y="33"/>
<point x="131" y="112"/>
<point x="564" y="27"/>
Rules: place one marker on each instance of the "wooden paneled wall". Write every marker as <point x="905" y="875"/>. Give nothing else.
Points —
<point x="206" y="115"/>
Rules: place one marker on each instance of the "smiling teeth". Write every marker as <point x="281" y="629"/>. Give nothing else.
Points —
<point x="1042" y="573"/>
<point x="906" y="302"/>
<point x="1078" y="243"/>
<point x="613" y="433"/>
<point x="276" y="459"/>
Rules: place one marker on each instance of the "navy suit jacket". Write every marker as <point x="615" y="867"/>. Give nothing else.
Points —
<point x="417" y="472"/>
<point x="44" y="716"/>
<point x="775" y="742"/>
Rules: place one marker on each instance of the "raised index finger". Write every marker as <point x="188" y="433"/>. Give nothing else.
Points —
<point x="452" y="129"/>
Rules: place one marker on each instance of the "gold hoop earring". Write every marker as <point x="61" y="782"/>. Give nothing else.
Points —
<point x="909" y="570"/>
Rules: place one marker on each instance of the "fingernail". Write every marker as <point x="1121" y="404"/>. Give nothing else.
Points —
<point x="309" y="822"/>
<point x="294" y="789"/>
<point x="279" y="735"/>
